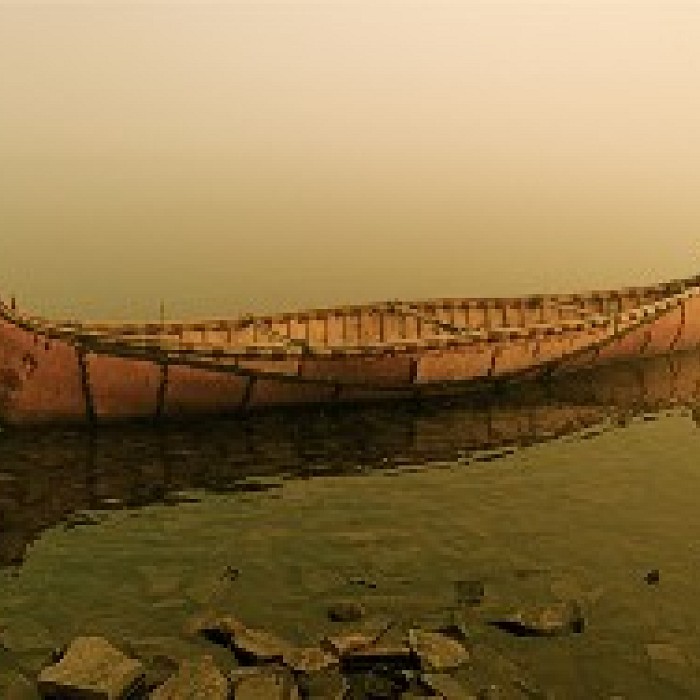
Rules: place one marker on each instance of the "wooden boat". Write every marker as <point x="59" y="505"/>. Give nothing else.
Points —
<point x="91" y="372"/>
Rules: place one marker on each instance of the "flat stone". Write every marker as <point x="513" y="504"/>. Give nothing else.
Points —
<point x="309" y="659"/>
<point x="200" y="680"/>
<point x="258" y="646"/>
<point x="341" y="645"/>
<point x="265" y="684"/>
<point x="548" y="621"/>
<point x="435" y="651"/>
<point x="208" y="624"/>
<point x="92" y="669"/>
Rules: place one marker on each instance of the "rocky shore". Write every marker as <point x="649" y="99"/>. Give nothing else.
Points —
<point x="217" y="656"/>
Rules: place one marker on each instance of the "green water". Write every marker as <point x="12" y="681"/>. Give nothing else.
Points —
<point x="307" y="509"/>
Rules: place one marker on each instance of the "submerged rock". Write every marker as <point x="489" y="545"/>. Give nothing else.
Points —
<point x="194" y="680"/>
<point x="345" y="611"/>
<point x="548" y="621"/>
<point x="91" y="669"/>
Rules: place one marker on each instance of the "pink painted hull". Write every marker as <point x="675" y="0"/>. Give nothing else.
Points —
<point x="357" y="354"/>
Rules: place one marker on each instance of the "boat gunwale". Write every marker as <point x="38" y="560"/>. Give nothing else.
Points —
<point x="205" y="356"/>
<point x="86" y="331"/>
<point x="670" y="289"/>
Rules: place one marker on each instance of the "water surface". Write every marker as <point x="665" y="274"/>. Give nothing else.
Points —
<point x="573" y="490"/>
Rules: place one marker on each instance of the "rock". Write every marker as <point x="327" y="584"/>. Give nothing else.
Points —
<point x="160" y="657"/>
<point x="309" y="659"/>
<point x="92" y="669"/>
<point x="469" y="593"/>
<point x="200" y="680"/>
<point x="250" y="645"/>
<point x="258" y="646"/>
<point x="446" y="687"/>
<point x="317" y="673"/>
<point x="345" y="611"/>
<point x="204" y="623"/>
<point x="653" y="577"/>
<point x="435" y="651"/>
<point x="344" y="644"/>
<point x="548" y="621"/>
<point x="455" y="629"/>
<point x="358" y="637"/>
<point x="265" y="684"/>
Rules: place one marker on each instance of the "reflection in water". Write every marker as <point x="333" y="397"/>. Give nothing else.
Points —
<point x="45" y="476"/>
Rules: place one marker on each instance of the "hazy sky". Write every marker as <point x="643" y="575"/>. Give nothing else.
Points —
<point x="257" y="156"/>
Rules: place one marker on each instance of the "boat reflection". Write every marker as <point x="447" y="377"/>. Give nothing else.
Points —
<point x="47" y="476"/>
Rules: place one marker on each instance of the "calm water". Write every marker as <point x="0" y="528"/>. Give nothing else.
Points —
<point x="575" y="490"/>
